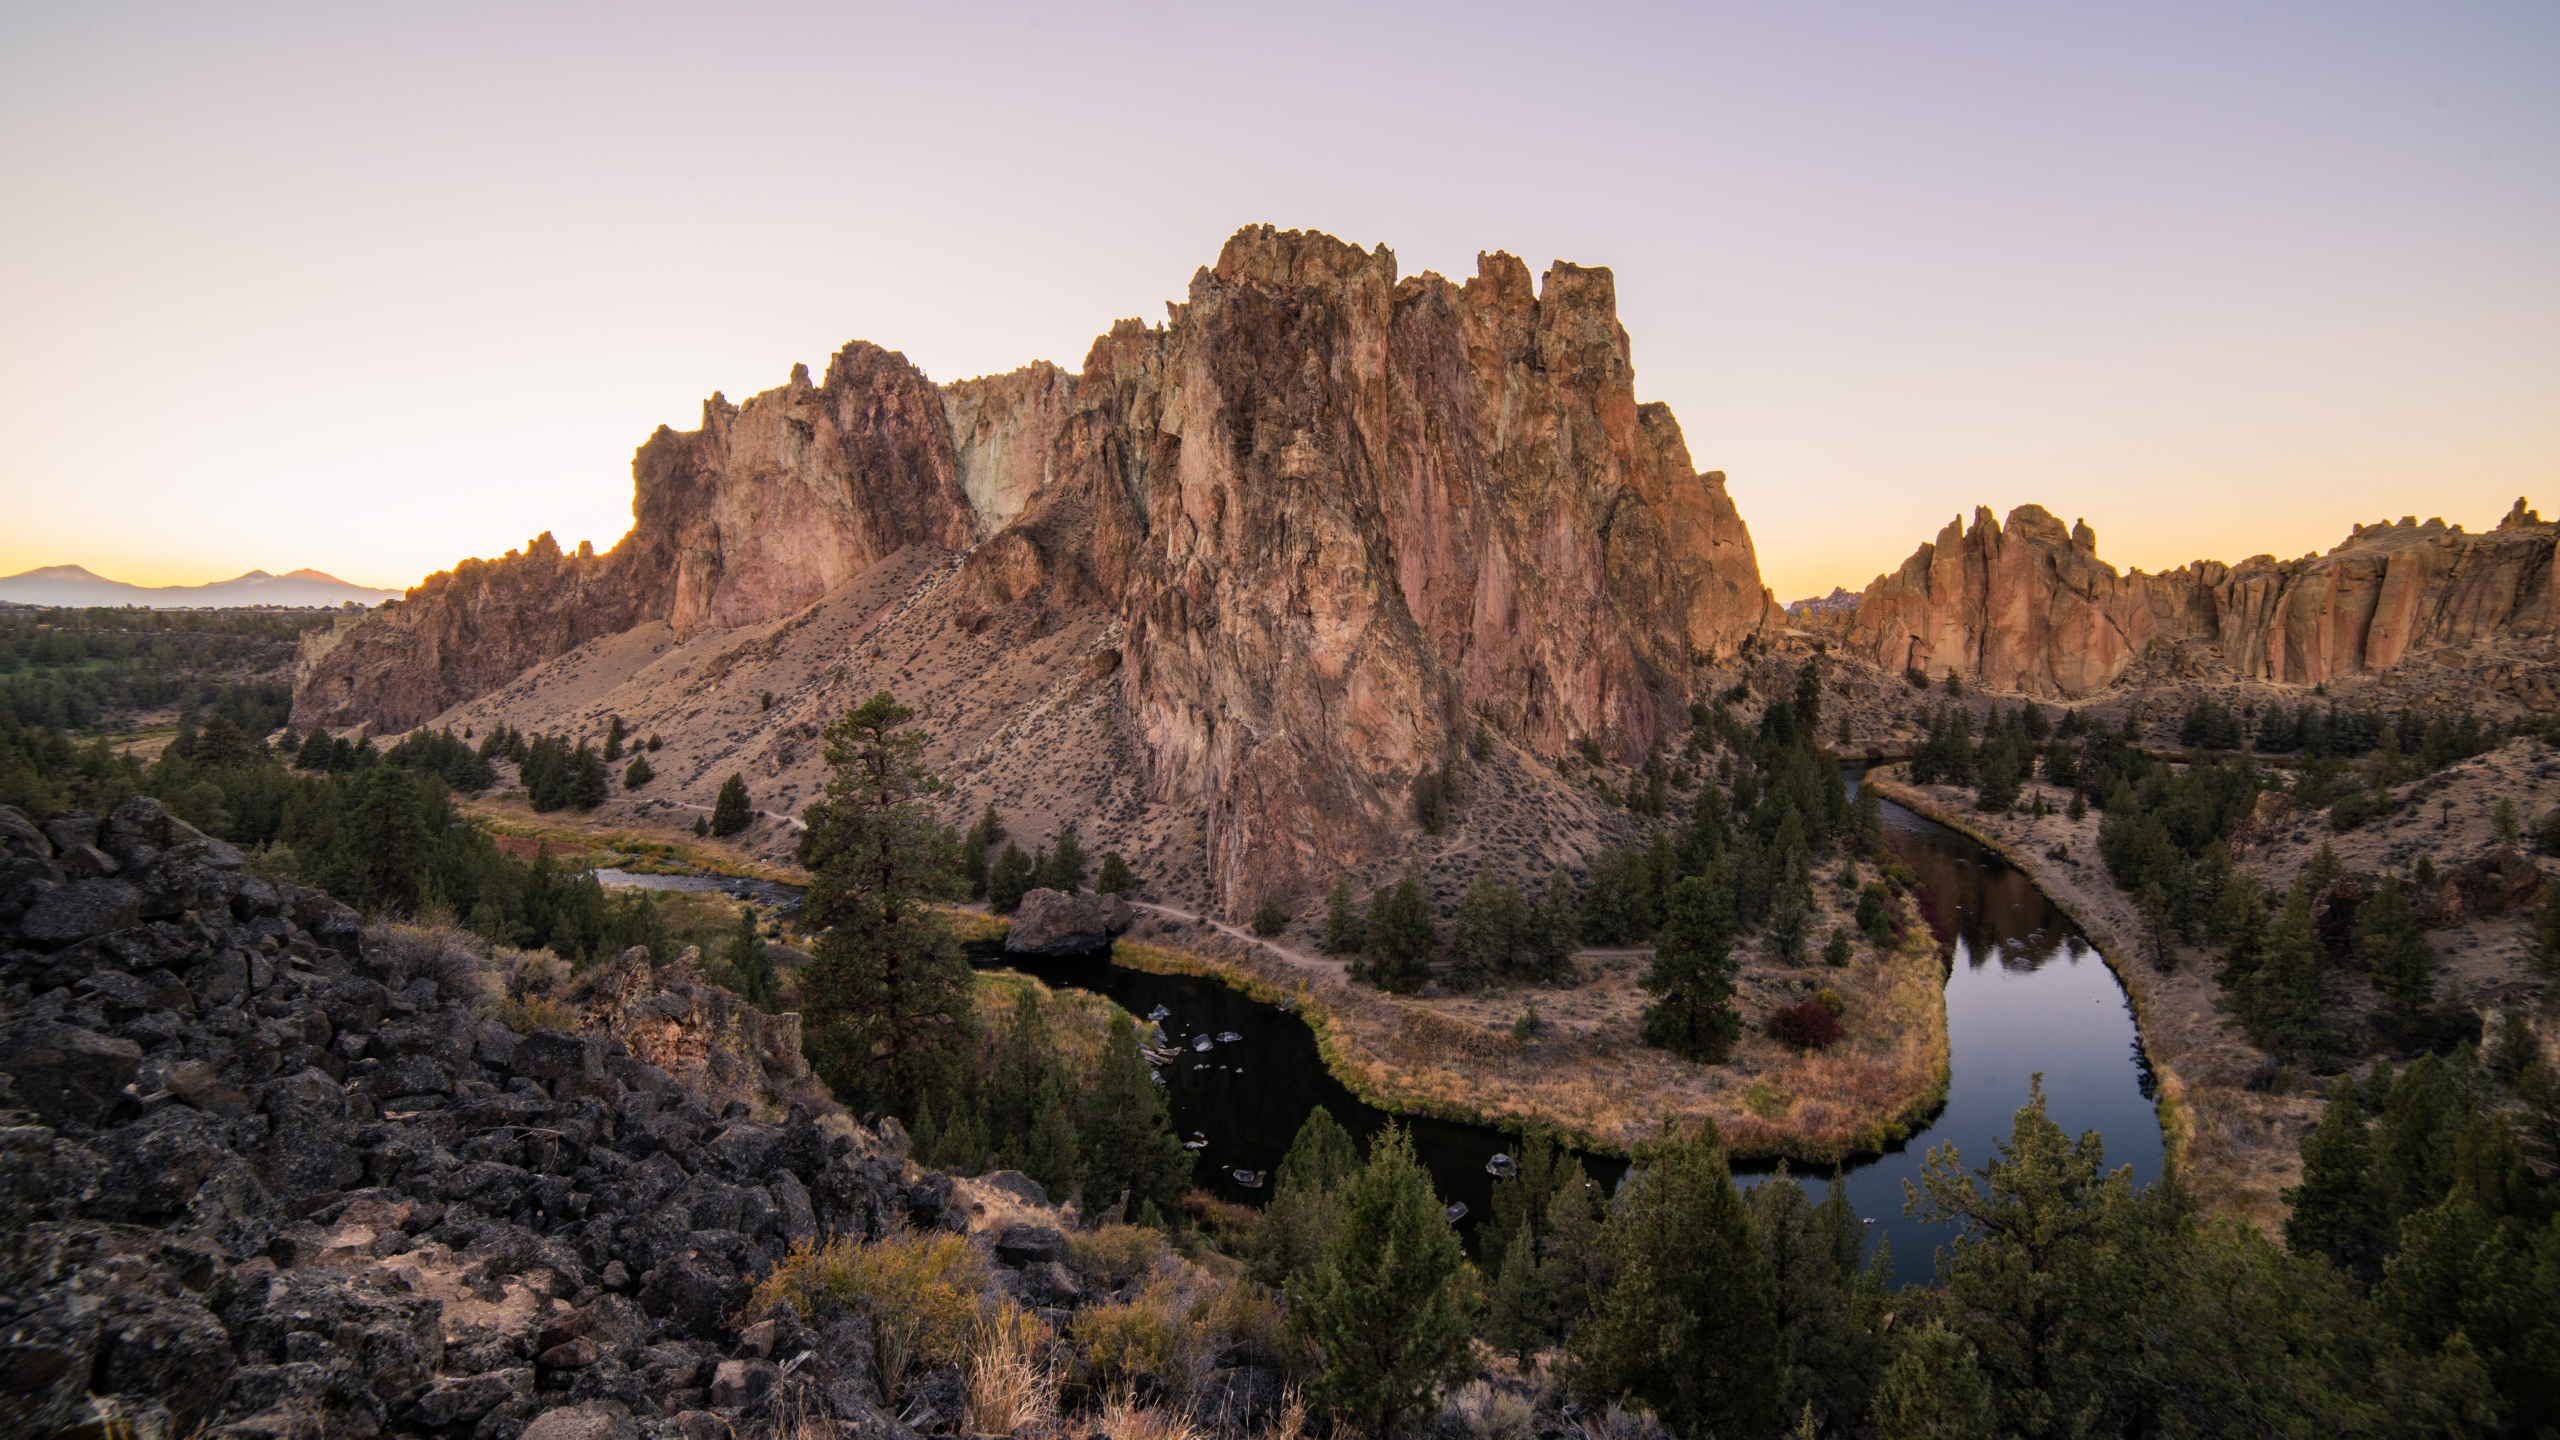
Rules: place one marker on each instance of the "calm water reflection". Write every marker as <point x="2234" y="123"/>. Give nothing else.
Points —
<point x="2025" y="994"/>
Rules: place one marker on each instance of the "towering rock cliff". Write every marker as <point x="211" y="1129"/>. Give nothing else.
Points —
<point x="2031" y="607"/>
<point x="1336" y="518"/>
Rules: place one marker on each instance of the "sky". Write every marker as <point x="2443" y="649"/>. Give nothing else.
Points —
<point x="374" y="288"/>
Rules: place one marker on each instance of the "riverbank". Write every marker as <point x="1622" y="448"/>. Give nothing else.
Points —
<point x="1583" y="1070"/>
<point x="2235" y="1146"/>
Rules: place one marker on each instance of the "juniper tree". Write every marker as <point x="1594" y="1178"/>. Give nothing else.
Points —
<point x="1485" y="932"/>
<point x="1126" y="1138"/>
<point x="2396" y="954"/>
<point x="1344" y="930"/>
<point x="1515" y="1322"/>
<point x="586" y="778"/>
<point x="1689" y="1323"/>
<point x="637" y="773"/>
<point x="1388" y="1308"/>
<point x="1298" y="1223"/>
<point x="731" y="812"/>
<point x="1692" y="975"/>
<point x="887" y="997"/>
<point x="749" y="968"/>
<point x="1009" y="880"/>
<point x="1066" y="863"/>
<point x="1115" y="878"/>
<point x="1400" y="935"/>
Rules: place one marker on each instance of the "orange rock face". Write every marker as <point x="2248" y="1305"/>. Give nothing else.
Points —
<point x="1339" y="516"/>
<point x="2030" y="607"/>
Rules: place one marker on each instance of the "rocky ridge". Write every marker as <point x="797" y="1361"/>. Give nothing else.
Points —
<point x="273" y="1173"/>
<point x="1330" y="518"/>
<point x="2029" y="607"/>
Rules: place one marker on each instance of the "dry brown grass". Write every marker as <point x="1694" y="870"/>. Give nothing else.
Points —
<point x="1123" y="1418"/>
<point x="1012" y="1386"/>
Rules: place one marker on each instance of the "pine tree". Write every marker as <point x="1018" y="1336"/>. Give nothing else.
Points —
<point x="1127" y="1140"/>
<point x="1388" y="1309"/>
<point x="315" y="751"/>
<point x="888" y="998"/>
<point x="1837" y="951"/>
<point x="1067" y="863"/>
<point x="1572" y="1268"/>
<point x="1692" y="975"/>
<point x="387" y="826"/>
<point x="1268" y="918"/>
<point x="1025" y="1060"/>
<point x="1344" y="930"/>
<point x="1553" y="931"/>
<point x="586" y="778"/>
<point x="2332" y="1212"/>
<point x="613" y="740"/>
<point x="2396" y="953"/>
<point x="731" y="812"/>
<point x="750" y="968"/>
<point x="1934" y="1390"/>
<point x="1115" y="878"/>
<point x="1010" y="880"/>
<point x="1299" y="1222"/>
<point x="1515" y="1322"/>
<point x="1400" y="936"/>
<point x="1689" y="1326"/>
<point x="1050" y="1156"/>
<point x="637" y="773"/>
<point x="1483" y="932"/>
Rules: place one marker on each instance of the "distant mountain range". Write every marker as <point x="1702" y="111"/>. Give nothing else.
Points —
<point x="73" y="585"/>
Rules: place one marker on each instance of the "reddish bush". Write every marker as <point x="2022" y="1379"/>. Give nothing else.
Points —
<point x="1809" y="1024"/>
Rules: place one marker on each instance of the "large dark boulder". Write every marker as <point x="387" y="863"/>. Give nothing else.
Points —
<point x="1050" y="922"/>
<point x="71" y="913"/>
<point x="1022" y="1245"/>
<point x="66" y="1074"/>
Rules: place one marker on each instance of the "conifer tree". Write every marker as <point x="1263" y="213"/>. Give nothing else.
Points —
<point x="1400" y="936"/>
<point x="388" y="825"/>
<point x="1572" y="1269"/>
<point x="1553" y="930"/>
<point x="1387" y="1309"/>
<point x="1934" y="1390"/>
<point x="1115" y="878"/>
<point x="1009" y="880"/>
<point x="1298" y="1223"/>
<point x="1483" y="932"/>
<point x="1689" y="1325"/>
<point x="1127" y="1140"/>
<point x="1066" y="871"/>
<point x="750" y="967"/>
<point x="2332" y="1212"/>
<point x="731" y="812"/>
<point x="1344" y="930"/>
<point x="887" y="998"/>
<point x="2397" y="955"/>
<point x="1692" y="975"/>
<point x="613" y="735"/>
<point x="586" y="778"/>
<point x="637" y="773"/>
<point x="1268" y="918"/>
<point x="1515" y="1323"/>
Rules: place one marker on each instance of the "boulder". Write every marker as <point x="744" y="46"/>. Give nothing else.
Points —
<point x="587" y="1420"/>
<point x="1050" y="922"/>
<point x="66" y="1074"/>
<point x="1022" y="1245"/>
<point x="74" y="912"/>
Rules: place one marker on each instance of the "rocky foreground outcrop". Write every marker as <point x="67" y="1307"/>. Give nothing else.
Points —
<point x="265" y="1172"/>
<point x="2030" y="607"/>
<point x="1332" y="516"/>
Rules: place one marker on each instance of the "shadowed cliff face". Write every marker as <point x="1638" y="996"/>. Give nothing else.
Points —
<point x="1339" y="517"/>
<point x="2030" y="607"/>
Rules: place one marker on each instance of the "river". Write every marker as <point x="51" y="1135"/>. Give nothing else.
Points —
<point x="2026" y="993"/>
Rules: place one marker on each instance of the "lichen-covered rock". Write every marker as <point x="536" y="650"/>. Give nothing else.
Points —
<point x="1051" y="922"/>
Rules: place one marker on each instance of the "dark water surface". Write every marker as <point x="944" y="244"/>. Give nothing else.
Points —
<point x="2026" y="993"/>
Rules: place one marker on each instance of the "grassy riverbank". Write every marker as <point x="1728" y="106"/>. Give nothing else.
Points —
<point x="1584" y="1071"/>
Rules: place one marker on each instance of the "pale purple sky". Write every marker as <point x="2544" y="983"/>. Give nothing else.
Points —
<point x="373" y="288"/>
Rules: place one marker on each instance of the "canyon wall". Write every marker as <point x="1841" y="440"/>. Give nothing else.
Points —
<point x="1338" y="516"/>
<point x="2030" y="607"/>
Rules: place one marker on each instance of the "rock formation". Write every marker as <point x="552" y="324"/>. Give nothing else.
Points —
<point x="2030" y="607"/>
<point x="1335" y="517"/>
<point x="1051" y="922"/>
<point x="265" y="1172"/>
